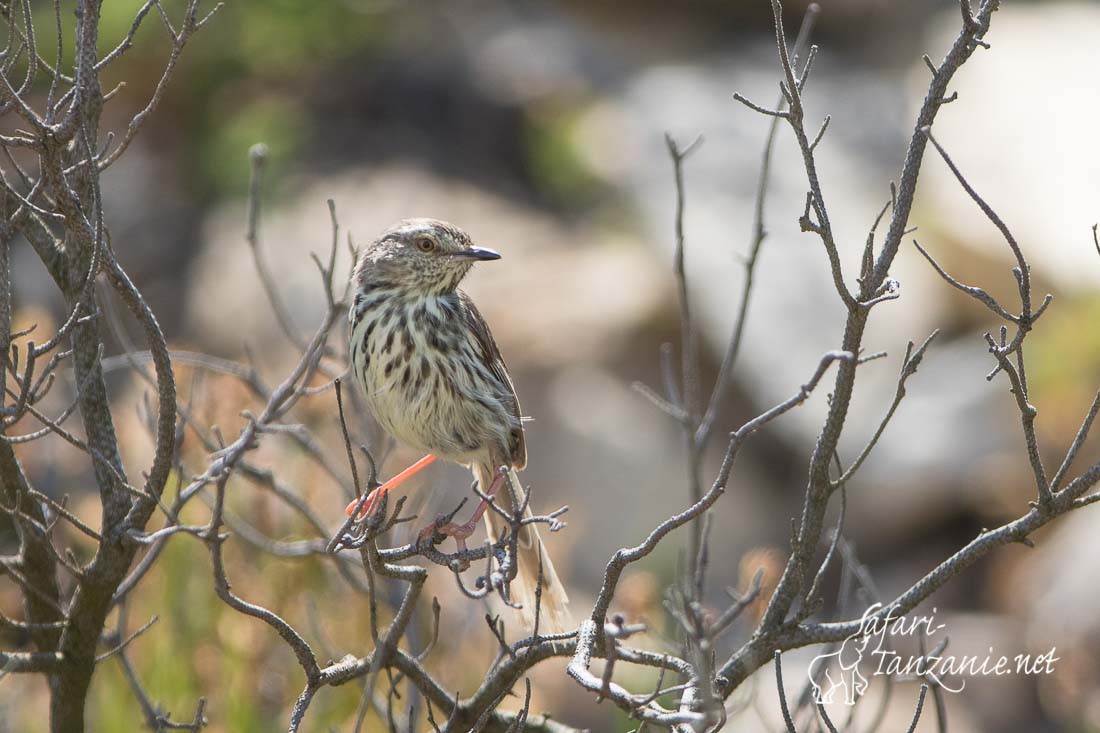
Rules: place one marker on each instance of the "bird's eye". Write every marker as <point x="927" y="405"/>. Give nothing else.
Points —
<point x="425" y="244"/>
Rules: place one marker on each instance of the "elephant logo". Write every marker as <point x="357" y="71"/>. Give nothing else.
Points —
<point x="838" y="671"/>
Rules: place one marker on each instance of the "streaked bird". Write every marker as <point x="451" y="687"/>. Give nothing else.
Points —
<point x="434" y="378"/>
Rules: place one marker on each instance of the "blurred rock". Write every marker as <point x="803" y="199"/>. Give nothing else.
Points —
<point x="520" y="63"/>
<point x="1023" y="132"/>
<point x="153" y="221"/>
<point x="1056" y="594"/>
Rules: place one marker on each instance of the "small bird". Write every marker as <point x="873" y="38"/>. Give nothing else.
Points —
<point x="434" y="378"/>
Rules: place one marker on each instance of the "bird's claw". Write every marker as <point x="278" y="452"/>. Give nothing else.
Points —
<point x="443" y="528"/>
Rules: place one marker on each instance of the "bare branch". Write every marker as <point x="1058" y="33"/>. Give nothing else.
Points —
<point x="973" y="291"/>
<point x="909" y="367"/>
<point x="1078" y="441"/>
<point x="787" y="720"/>
<point x="257" y="156"/>
<point x="759" y="233"/>
<point x="1023" y="270"/>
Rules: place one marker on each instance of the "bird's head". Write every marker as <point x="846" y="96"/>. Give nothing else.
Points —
<point x="420" y="255"/>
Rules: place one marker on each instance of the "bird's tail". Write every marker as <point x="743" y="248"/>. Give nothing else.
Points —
<point x="553" y="603"/>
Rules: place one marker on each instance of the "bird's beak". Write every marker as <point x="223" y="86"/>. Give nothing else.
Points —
<point x="478" y="253"/>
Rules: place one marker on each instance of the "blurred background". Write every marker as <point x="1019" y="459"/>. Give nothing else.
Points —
<point x="538" y="128"/>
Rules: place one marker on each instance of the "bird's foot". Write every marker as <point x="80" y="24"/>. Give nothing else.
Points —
<point x="461" y="532"/>
<point x="444" y="528"/>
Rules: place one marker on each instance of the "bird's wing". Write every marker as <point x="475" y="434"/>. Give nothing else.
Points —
<point x="491" y="353"/>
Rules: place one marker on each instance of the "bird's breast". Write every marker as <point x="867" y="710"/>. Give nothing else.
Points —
<point x="421" y="377"/>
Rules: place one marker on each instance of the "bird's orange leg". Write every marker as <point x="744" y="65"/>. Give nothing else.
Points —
<point x="461" y="531"/>
<point x="375" y="496"/>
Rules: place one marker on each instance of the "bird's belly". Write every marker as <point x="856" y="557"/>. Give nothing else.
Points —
<point x="420" y="403"/>
<point x="426" y="419"/>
